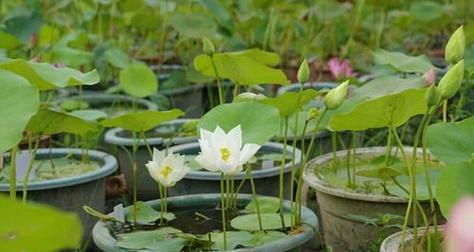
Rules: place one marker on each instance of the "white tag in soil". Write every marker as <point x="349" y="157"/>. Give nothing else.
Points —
<point x="22" y="160"/>
<point x="119" y="214"/>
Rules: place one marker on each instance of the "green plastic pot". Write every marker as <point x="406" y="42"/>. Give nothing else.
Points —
<point x="266" y="180"/>
<point x="334" y="205"/>
<point x="106" y="242"/>
<point x="71" y="193"/>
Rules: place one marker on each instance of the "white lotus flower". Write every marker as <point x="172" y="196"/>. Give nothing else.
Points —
<point x="166" y="169"/>
<point x="221" y="152"/>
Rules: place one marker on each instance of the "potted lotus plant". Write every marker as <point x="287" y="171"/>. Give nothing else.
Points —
<point x="189" y="222"/>
<point x="63" y="177"/>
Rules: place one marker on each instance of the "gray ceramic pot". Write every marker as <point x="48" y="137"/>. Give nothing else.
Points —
<point x="335" y="205"/>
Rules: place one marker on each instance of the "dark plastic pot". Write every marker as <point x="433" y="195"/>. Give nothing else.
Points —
<point x="96" y="101"/>
<point x="105" y="241"/>
<point x="335" y="204"/>
<point x="393" y="243"/>
<point x="72" y="193"/>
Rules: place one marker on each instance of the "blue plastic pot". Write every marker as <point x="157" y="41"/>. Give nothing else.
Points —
<point x="105" y="241"/>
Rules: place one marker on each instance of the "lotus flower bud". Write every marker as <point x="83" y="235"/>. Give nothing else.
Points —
<point x="336" y="96"/>
<point x="451" y="81"/>
<point x="303" y="72"/>
<point x="207" y="46"/>
<point x="313" y="113"/>
<point x="430" y="77"/>
<point x="454" y="51"/>
<point x="432" y="96"/>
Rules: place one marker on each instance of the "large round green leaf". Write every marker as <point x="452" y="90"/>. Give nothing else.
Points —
<point x="138" y="80"/>
<point x="244" y="67"/>
<point x="46" y="77"/>
<point x="452" y="142"/>
<point x="454" y="183"/>
<point x="259" y="122"/>
<point x="193" y="25"/>
<point x="49" y="122"/>
<point x="287" y="103"/>
<point x="387" y="111"/>
<point x="34" y="227"/>
<point x="143" y="120"/>
<point x="402" y="62"/>
<point x="19" y="101"/>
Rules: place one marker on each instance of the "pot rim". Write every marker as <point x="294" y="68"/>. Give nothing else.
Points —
<point x="392" y="242"/>
<point x="108" y="167"/>
<point x="111" y="136"/>
<point x="104" y="240"/>
<point x="310" y="177"/>
<point x="112" y="97"/>
<point x="263" y="173"/>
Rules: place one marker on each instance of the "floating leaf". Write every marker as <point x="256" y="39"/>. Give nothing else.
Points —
<point x="19" y="102"/>
<point x="143" y="120"/>
<point x="90" y="114"/>
<point x="259" y="122"/>
<point x="249" y="222"/>
<point x="139" y="239"/>
<point x="146" y="214"/>
<point x="28" y="227"/>
<point x="234" y="239"/>
<point x="138" y="80"/>
<point x="452" y="142"/>
<point x="46" y="77"/>
<point x="266" y="204"/>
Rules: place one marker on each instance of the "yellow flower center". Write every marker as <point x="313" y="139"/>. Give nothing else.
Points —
<point x="225" y="154"/>
<point x="165" y="172"/>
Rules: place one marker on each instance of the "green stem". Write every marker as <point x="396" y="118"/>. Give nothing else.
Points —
<point x="254" y="194"/>
<point x="134" y="175"/>
<point x="334" y="148"/>
<point x="445" y="111"/>
<point x="12" y="171"/>
<point x="282" y="168"/>
<point x="428" y="176"/>
<point x="30" y="167"/>
<point x="223" y="213"/>
<point x="219" y="85"/>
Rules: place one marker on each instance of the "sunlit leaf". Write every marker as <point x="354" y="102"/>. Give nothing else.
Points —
<point x="143" y="120"/>
<point x="138" y="80"/>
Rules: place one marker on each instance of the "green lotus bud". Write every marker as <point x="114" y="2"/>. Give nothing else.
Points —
<point x="313" y="113"/>
<point x="303" y="72"/>
<point x="432" y="96"/>
<point x="336" y="96"/>
<point x="451" y="81"/>
<point x="207" y="46"/>
<point x="454" y="51"/>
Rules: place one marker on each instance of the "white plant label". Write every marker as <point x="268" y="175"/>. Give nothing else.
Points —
<point x="119" y="214"/>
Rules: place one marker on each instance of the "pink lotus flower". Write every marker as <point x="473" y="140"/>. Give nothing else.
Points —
<point x="459" y="232"/>
<point x="340" y="69"/>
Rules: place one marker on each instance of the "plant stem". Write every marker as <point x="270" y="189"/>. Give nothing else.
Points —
<point x="445" y="111"/>
<point x="30" y="167"/>
<point x="282" y="168"/>
<point x="219" y="85"/>
<point x="12" y="172"/>
<point x="223" y="212"/>
<point x="428" y="176"/>
<point x="134" y="175"/>
<point x="254" y="194"/>
<point x="388" y="150"/>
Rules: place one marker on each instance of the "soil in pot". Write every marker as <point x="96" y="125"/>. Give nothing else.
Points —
<point x="393" y="243"/>
<point x="372" y="207"/>
<point x="193" y="223"/>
